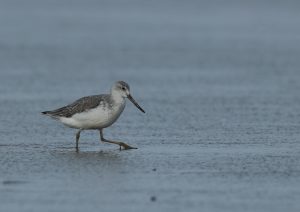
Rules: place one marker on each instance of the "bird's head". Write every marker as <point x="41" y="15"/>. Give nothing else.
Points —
<point x="123" y="89"/>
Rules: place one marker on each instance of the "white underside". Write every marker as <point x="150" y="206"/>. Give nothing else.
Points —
<point x="97" y="118"/>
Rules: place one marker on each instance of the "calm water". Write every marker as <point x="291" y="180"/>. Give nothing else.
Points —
<point x="219" y="82"/>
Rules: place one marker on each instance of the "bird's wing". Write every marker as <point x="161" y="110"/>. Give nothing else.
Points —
<point x="80" y="105"/>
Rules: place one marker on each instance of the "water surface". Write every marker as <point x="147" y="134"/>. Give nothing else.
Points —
<point x="219" y="82"/>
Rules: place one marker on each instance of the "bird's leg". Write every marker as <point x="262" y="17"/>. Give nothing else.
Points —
<point x="121" y="144"/>
<point x="77" y="138"/>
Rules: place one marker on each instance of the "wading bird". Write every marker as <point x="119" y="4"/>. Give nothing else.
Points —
<point x="96" y="112"/>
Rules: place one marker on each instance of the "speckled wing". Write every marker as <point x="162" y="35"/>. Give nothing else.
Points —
<point x="80" y="105"/>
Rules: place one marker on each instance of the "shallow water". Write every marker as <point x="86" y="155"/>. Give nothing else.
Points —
<point x="219" y="82"/>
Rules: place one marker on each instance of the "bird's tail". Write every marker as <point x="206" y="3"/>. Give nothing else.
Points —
<point x="50" y="114"/>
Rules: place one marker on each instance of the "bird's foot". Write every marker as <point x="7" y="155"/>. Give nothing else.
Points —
<point x="125" y="146"/>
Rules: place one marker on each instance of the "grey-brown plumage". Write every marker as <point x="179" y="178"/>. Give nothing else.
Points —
<point x="81" y="105"/>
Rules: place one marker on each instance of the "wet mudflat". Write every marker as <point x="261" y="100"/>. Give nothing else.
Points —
<point x="219" y="83"/>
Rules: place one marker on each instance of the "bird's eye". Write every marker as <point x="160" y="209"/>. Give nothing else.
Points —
<point x="123" y="88"/>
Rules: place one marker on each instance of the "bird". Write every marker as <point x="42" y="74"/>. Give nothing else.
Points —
<point x="96" y="112"/>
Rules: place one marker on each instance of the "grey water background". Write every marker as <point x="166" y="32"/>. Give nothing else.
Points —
<point x="219" y="81"/>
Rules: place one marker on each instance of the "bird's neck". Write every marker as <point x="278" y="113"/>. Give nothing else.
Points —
<point x="117" y="98"/>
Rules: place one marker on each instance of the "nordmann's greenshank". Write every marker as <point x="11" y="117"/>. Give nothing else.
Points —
<point x="96" y="112"/>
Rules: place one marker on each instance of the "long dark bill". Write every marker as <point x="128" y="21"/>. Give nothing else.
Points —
<point x="135" y="103"/>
